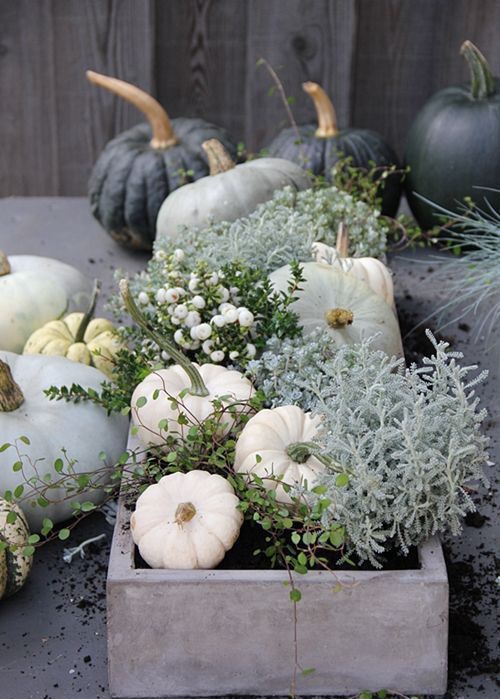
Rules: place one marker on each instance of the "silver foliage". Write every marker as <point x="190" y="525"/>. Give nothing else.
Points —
<point x="410" y="438"/>
<point x="283" y="230"/>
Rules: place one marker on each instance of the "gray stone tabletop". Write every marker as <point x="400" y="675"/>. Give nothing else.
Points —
<point x="53" y="632"/>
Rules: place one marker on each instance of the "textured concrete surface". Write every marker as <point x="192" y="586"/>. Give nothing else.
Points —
<point x="52" y="633"/>
<point x="231" y="631"/>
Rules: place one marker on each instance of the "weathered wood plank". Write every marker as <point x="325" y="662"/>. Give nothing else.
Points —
<point x="200" y="60"/>
<point x="56" y="122"/>
<point x="302" y="40"/>
<point x="406" y="51"/>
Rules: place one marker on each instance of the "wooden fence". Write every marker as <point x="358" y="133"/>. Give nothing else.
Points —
<point x="379" y="60"/>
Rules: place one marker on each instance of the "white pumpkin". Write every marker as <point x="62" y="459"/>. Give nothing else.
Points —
<point x="272" y="445"/>
<point x="82" y="429"/>
<point x="167" y="383"/>
<point x="34" y="290"/>
<point x="368" y="269"/>
<point x="229" y="192"/>
<point x="347" y="308"/>
<point x="186" y="520"/>
<point x="14" y="565"/>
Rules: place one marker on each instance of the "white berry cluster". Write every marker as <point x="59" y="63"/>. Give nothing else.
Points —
<point x="201" y="312"/>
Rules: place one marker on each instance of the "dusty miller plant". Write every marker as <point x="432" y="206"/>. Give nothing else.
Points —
<point x="409" y="439"/>
<point x="283" y="230"/>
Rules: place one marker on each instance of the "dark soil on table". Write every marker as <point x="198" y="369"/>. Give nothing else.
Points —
<point x="469" y="579"/>
<point x="253" y="538"/>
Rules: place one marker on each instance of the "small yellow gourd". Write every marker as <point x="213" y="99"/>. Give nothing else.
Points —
<point x="79" y="337"/>
<point x="368" y="269"/>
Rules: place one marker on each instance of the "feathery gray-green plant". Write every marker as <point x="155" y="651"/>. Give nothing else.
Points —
<point x="472" y="278"/>
<point x="283" y="229"/>
<point x="410" y="438"/>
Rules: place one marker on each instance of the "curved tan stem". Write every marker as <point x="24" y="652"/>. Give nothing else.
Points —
<point x="342" y="245"/>
<point x="325" y="111"/>
<point x="161" y="126"/>
<point x="11" y="396"/>
<point x="4" y="264"/>
<point x="219" y="159"/>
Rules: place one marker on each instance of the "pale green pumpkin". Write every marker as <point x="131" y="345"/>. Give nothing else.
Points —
<point x="34" y="290"/>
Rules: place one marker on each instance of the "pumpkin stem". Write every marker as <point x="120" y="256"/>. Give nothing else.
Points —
<point x="481" y="78"/>
<point x="339" y="317"/>
<point x="82" y="328"/>
<point x="184" y="513"/>
<point x="161" y="126"/>
<point x="11" y="396"/>
<point x="300" y="452"/>
<point x="198" y="387"/>
<point x="342" y="245"/>
<point x="4" y="264"/>
<point x="325" y="111"/>
<point x="219" y="159"/>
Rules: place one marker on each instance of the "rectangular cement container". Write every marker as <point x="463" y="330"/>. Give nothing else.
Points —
<point x="218" y="632"/>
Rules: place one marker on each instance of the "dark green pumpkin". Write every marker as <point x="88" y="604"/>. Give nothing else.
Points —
<point x="139" y="168"/>
<point x="319" y="147"/>
<point x="453" y="146"/>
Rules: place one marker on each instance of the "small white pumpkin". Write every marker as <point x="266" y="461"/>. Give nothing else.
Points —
<point x="273" y="445"/>
<point x="82" y="429"/>
<point x="34" y="290"/>
<point x="229" y="192"/>
<point x="148" y="411"/>
<point x="155" y="410"/>
<point x="368" y="269"/>
<point x="347" y="308"/>
<point x="14" y="565"/>
<point x="186" y="520"/>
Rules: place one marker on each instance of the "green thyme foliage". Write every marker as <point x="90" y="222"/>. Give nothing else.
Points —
<point x="410" y="439"/>
<point x="222" y="315"/>
<point x="130" y="369"/>
<point x="283" y="229"/>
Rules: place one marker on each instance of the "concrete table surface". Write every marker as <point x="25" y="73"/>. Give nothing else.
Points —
<point x="52" y="633"/>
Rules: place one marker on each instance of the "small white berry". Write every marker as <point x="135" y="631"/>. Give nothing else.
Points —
<point x="194" y="332"/>
<point x="179" y="337"/>
<point x="181" y="311"/>
<point x="203" y="331"/>
<point x="180" y="290"/>
<point x="198" y="302"/>
<point x="213" y="279"/>
<point x="175" y="321"/>
<point x="219" y="321"/>
<point x="207" y="346"/>
<point x="193" y="318"/>
<point x="161" y="296"/>
<point x="224" y="294"/>
<point x="231" y="315"/>
<point x="234" y="354"/>
<point x="245" y="318"/>
<point x="217" y="356"/>
<point x="251" y="350"/>
<point x="226" y="307"/>
<point x="143" y="298"/>
<point x="233" y="290"/>
<point x="179" y="255"/>
<point x="193" y="283"/>
<point x="171" y="295"/>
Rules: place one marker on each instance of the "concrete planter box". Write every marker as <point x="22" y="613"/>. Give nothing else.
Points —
<point x="216" y="632"/>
